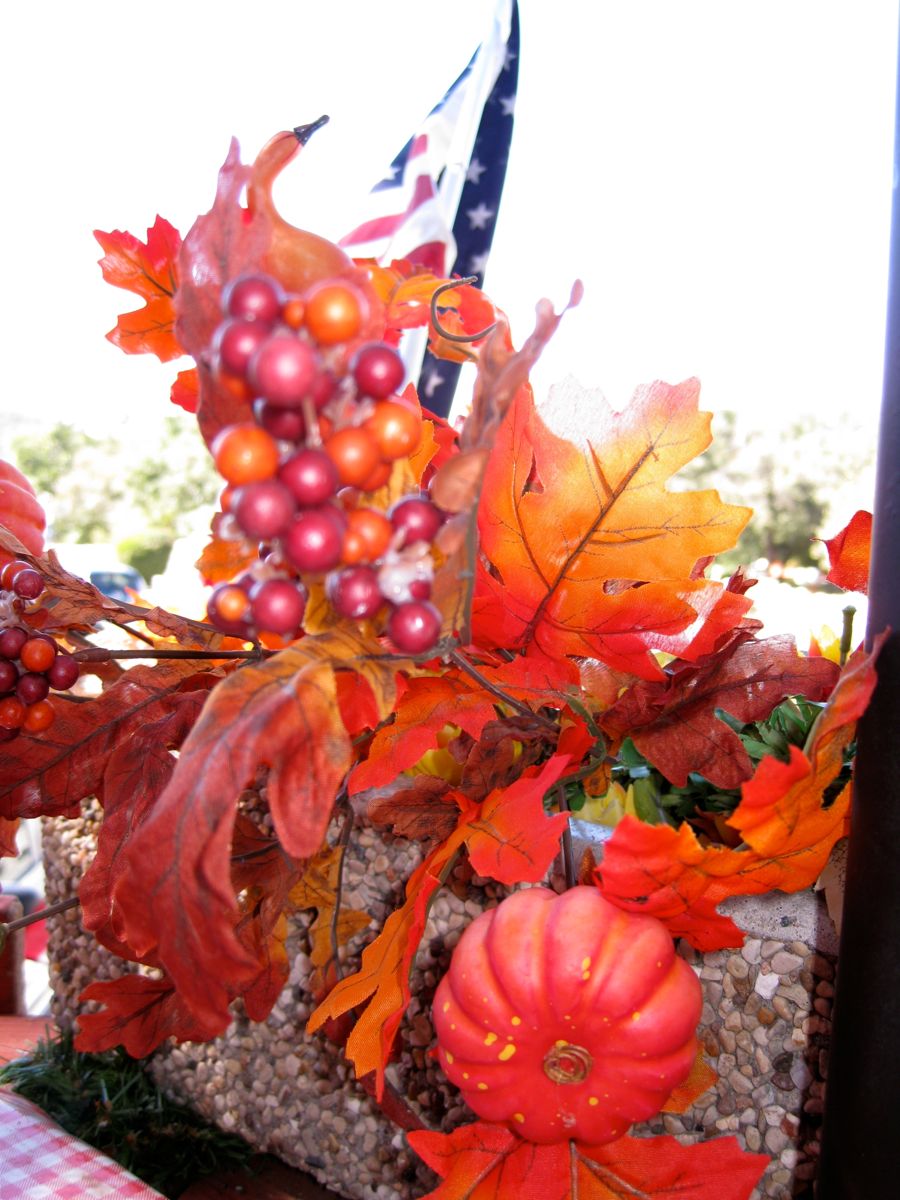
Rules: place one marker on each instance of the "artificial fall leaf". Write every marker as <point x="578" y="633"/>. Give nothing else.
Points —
<point x="52" y="773"/>
<point x="509" y="838"/>
<point x="848" y="554"/>
<point x="428" y="704"/>
<point x="136" y="772"/>
<point x="697" y="1084"/>
<point x="503" y="751"/>
<point x="787" y="831"/>
<point x="383" y="975"/>
<point x="8" y="831"/>
<point x="562" y="524"/>
<point x="415" y="806"/>
<point x="140" y="1013"/>
<point x="317" y="888"/>
<point x="150" y="269"/>
<point x="185" y="391"/>
<point x="673" y="722"/>
<point x="223" y="559"/>
<point x="281" y="713"/>
<point x="488" y="1162"/>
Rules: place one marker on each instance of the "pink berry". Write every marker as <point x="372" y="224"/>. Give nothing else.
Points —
<point x="414" y="627"/>
<point x="417" y="517"/>
<point x="12" y="641"/>
<point x="254" y="297"/>
<point x="377" y="370"/>
<point x="283" y="370"/>
<point x="286" y="424"/>
<point x="263" y="509"/>
<point x="311" y="477"/>
<point x="63" y="672"/>
<point x="354" y="592"/>
<point x="277" y="605"/>
<point x="234" y="344"/>
<point x="314" y="540"/>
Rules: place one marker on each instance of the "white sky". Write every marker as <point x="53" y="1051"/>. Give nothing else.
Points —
<point x="717" y="172"/>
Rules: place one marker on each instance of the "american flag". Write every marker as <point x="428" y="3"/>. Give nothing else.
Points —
<point x="438" y="203"/>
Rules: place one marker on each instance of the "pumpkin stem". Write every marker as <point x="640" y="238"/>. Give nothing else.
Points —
<point x="567" y="1063"/>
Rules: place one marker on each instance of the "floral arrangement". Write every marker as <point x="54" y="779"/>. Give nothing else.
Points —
<point x="458" y="635"/>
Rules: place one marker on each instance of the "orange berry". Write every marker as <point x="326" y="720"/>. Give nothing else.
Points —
<point x="334" y="313"/>
<point x="395" y="429"/>
<point x="294" y="313"/>
<point x="39" y="716"/>
<point x="245" y="453"/>
<point x="37" y="654"/>
<point x="367" y="536"/>
<point x="232" y="602"/>
<point x="12" y="713"/>
<point x="379" y="477"/>
<point x="354" y="453"/>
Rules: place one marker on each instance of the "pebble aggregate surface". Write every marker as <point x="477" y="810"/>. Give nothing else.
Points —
<point x="765" y="1029"/>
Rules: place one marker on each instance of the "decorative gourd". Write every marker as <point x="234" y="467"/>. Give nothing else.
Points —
<point x="19" y="509"/>
<point x="566" y="1017"/>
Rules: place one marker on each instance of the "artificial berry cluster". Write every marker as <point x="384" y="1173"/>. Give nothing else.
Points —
<point x="31" y="664"/>
<point x="328" y="427"/>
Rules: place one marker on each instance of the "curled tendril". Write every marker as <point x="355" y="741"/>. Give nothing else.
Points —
<point x="435" y="320"/>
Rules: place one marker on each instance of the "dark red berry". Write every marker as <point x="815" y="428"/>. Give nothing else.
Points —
<point x="420" y="589"/>
<point x="314" y="540"/>
<point x="414" y="627"/>
<point x="32" y="687"/>
<point x="277" y="605"/>
<point x="283" y="370"/>
<point x="8" y="676"/>
<point x="7" y="735"/>
<point x="28" y="584"/>
<point x="417" y="517"/>
<point x="286" y="424"/>
<point x="235" y="343"/>
<point x="12" y="641"/>
<point x="264" y="509"/>
<point x="63" y="672"/>
<point x="323" y="389"/>
<point x="255" y="297"/>
<point x="354" y="592"/>
<point x="377" y="370"/>
<point x="311" y="477"/>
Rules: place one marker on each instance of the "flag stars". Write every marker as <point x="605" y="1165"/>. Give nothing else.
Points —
<point x="433" y="382"/>
<point x="475" y="171"/>
<point x="508" y="105"/>
<point x="478" y="264"/>
<point x="480" y="216"/>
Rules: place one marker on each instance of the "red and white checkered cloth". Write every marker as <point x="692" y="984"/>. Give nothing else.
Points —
<point x="40" y="1161"/>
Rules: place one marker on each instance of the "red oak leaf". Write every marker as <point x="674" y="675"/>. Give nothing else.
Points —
<point x="509" y="837"/>
<point x="48" y="775"/>
<point x="488" y="1162"/>
<point x="8" y="837"/>
<point x="428" y="704"/>
<point x="787" y="830"/>
<point x="135" y="775"/>
<point x="674" y="724"/>
<point x="281" y="713"/>
<point x="140" y="1014"/>
<point x="848" y="554"/>
<point x="568" y="529"/>
<point x="185" y="391"/>
<point x="151" y="270"/>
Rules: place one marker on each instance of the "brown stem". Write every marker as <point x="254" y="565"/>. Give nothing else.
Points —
<point x="435" y="319"/>
<point x="470" y="669"/>
<point x="41" y="915"/>
<point x="343" y="843"/>
<point x="100" y="654"/>
<point x="392" y="1104"/>
<point x="141" y="637"/>
<point x="847" y="632"/>
<point x="568" y="850"/>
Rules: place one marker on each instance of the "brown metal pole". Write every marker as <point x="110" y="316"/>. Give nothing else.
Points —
<point x="862" y="1107"/>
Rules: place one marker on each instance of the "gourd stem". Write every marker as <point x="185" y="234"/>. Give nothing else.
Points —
<point x="568" y="850"/>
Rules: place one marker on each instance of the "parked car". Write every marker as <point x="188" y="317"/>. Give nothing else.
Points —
<point x="100" y="565"/>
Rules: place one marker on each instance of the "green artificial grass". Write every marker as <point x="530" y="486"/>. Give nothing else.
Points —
<point x="110" y="1101"/>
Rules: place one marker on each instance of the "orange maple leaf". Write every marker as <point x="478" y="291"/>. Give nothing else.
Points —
<point x="484" y="1161"/>
<point x="318" y="889"/>
<point x="568" y="529"/>
<point x="848" y="554"/>
<point x="787" y="830"/>
<point x="150" y="269"/>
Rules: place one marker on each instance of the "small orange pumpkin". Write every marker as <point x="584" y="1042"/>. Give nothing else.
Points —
<point x="20" y="511"/>
<point x="566" y="1017"/>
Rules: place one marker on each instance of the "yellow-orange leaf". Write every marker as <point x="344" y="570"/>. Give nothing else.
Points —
<point x="318" y="889"/>
<point x="568" y="526"/>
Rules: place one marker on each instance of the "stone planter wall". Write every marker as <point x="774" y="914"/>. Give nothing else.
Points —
<point x="765" y="1027"/>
